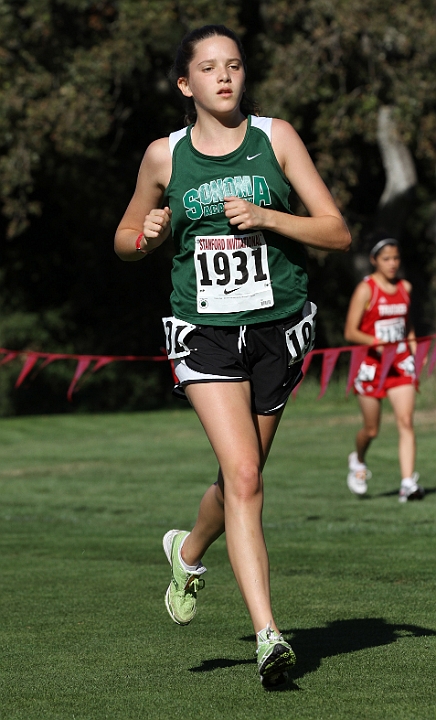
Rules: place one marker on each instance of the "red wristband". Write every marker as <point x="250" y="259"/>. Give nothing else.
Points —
<point x="138" y="244"/>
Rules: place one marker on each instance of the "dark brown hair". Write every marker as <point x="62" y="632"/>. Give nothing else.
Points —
<point x="184" y="55"/>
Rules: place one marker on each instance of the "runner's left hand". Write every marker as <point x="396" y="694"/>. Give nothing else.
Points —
<point x="245" y="215"/>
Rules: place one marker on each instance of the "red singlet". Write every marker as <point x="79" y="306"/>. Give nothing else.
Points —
<point x="386" y="317"/>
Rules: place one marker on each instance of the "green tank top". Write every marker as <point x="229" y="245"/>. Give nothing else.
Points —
<point x="222" y="276"/>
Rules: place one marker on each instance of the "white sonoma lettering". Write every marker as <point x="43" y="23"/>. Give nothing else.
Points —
<point x="197" y="201"/>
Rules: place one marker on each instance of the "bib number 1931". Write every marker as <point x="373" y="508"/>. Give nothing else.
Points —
<point x="232" y="273"/>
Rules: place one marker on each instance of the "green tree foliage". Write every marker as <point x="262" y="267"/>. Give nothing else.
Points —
<point x="84" y="89"/>
<point x="331" y="68"/>
<point x="333" y="64"/>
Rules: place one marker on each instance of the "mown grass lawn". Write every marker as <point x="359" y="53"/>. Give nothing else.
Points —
<point x="85" y="500"/>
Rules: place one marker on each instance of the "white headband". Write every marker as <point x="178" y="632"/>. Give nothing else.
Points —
<point x="381" y="244"/>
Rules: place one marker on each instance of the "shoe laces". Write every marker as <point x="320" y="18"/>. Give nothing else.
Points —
<point x="410" y="483"/>
<point x="194" y="584"/>
<point x="268" y="635"/>
<point x="363" y="474"/>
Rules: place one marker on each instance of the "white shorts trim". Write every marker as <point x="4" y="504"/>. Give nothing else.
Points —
<point x="185" y="374"/>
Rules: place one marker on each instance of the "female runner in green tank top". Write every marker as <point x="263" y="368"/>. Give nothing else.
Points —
<point x="221" y="187"/>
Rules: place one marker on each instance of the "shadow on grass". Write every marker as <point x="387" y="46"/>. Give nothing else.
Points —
<point x="391" y="493"/>
<point x="339" y="637"/>
<point x="217" y="663"/>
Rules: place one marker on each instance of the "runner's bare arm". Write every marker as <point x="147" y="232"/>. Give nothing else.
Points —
<point x="358" y="303"/>
<point x="144" y="213"/>
<point x="325" y="229"/>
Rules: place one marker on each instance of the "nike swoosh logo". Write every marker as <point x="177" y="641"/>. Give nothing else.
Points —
<point x="227" y="292"/>
<point x="251" y="157"/>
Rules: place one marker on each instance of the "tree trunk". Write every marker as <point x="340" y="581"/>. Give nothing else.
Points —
<point x="395" y="202"/>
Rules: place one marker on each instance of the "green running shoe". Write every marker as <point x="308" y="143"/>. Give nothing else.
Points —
<point x="181" y="596"/>
<point x="274" y="658"/>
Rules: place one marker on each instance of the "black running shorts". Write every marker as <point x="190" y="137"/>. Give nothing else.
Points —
<point x="257" y="353"/>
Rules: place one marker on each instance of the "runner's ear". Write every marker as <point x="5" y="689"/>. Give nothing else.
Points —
<point x="183" y="85"/>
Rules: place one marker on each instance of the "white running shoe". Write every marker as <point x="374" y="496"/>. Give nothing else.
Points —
<point x="410" y="490"/>
<point x="358" y="475"/>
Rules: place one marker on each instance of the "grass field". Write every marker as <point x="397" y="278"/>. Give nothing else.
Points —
<point x="84" y="632"/>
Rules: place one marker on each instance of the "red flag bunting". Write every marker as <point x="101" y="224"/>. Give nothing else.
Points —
<point x="51" y="357"/>
<point x="432" y="362"/>
<point x="28" y="366"/>
<point x="329" y="360"/>
<point x="82" y="365"/>
<point x="358" y="354"/>
<point x="330" y="356"/>
<point x="9" y="356"/>
<point x="101" y="362"/>
<point x="389" y="352"/>
<point x="422" y="349"/>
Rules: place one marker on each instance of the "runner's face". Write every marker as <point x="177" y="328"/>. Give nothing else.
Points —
<point x="387" y="262"/>
<point x="216" y="76"/>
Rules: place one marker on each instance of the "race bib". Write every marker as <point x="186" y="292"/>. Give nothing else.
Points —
<point x="300" y="339"/>
<point x="390" y="330"/>
<point x="176" y="332"/>
<point x="366" y="373"/>
<point x="232" y="273"/>
<point x="408" y="365"/>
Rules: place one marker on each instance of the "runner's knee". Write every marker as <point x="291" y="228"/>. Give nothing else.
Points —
<point x="372" y="432"/>
<point x="405" y="423"/>
<point x="245" y="484"/>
